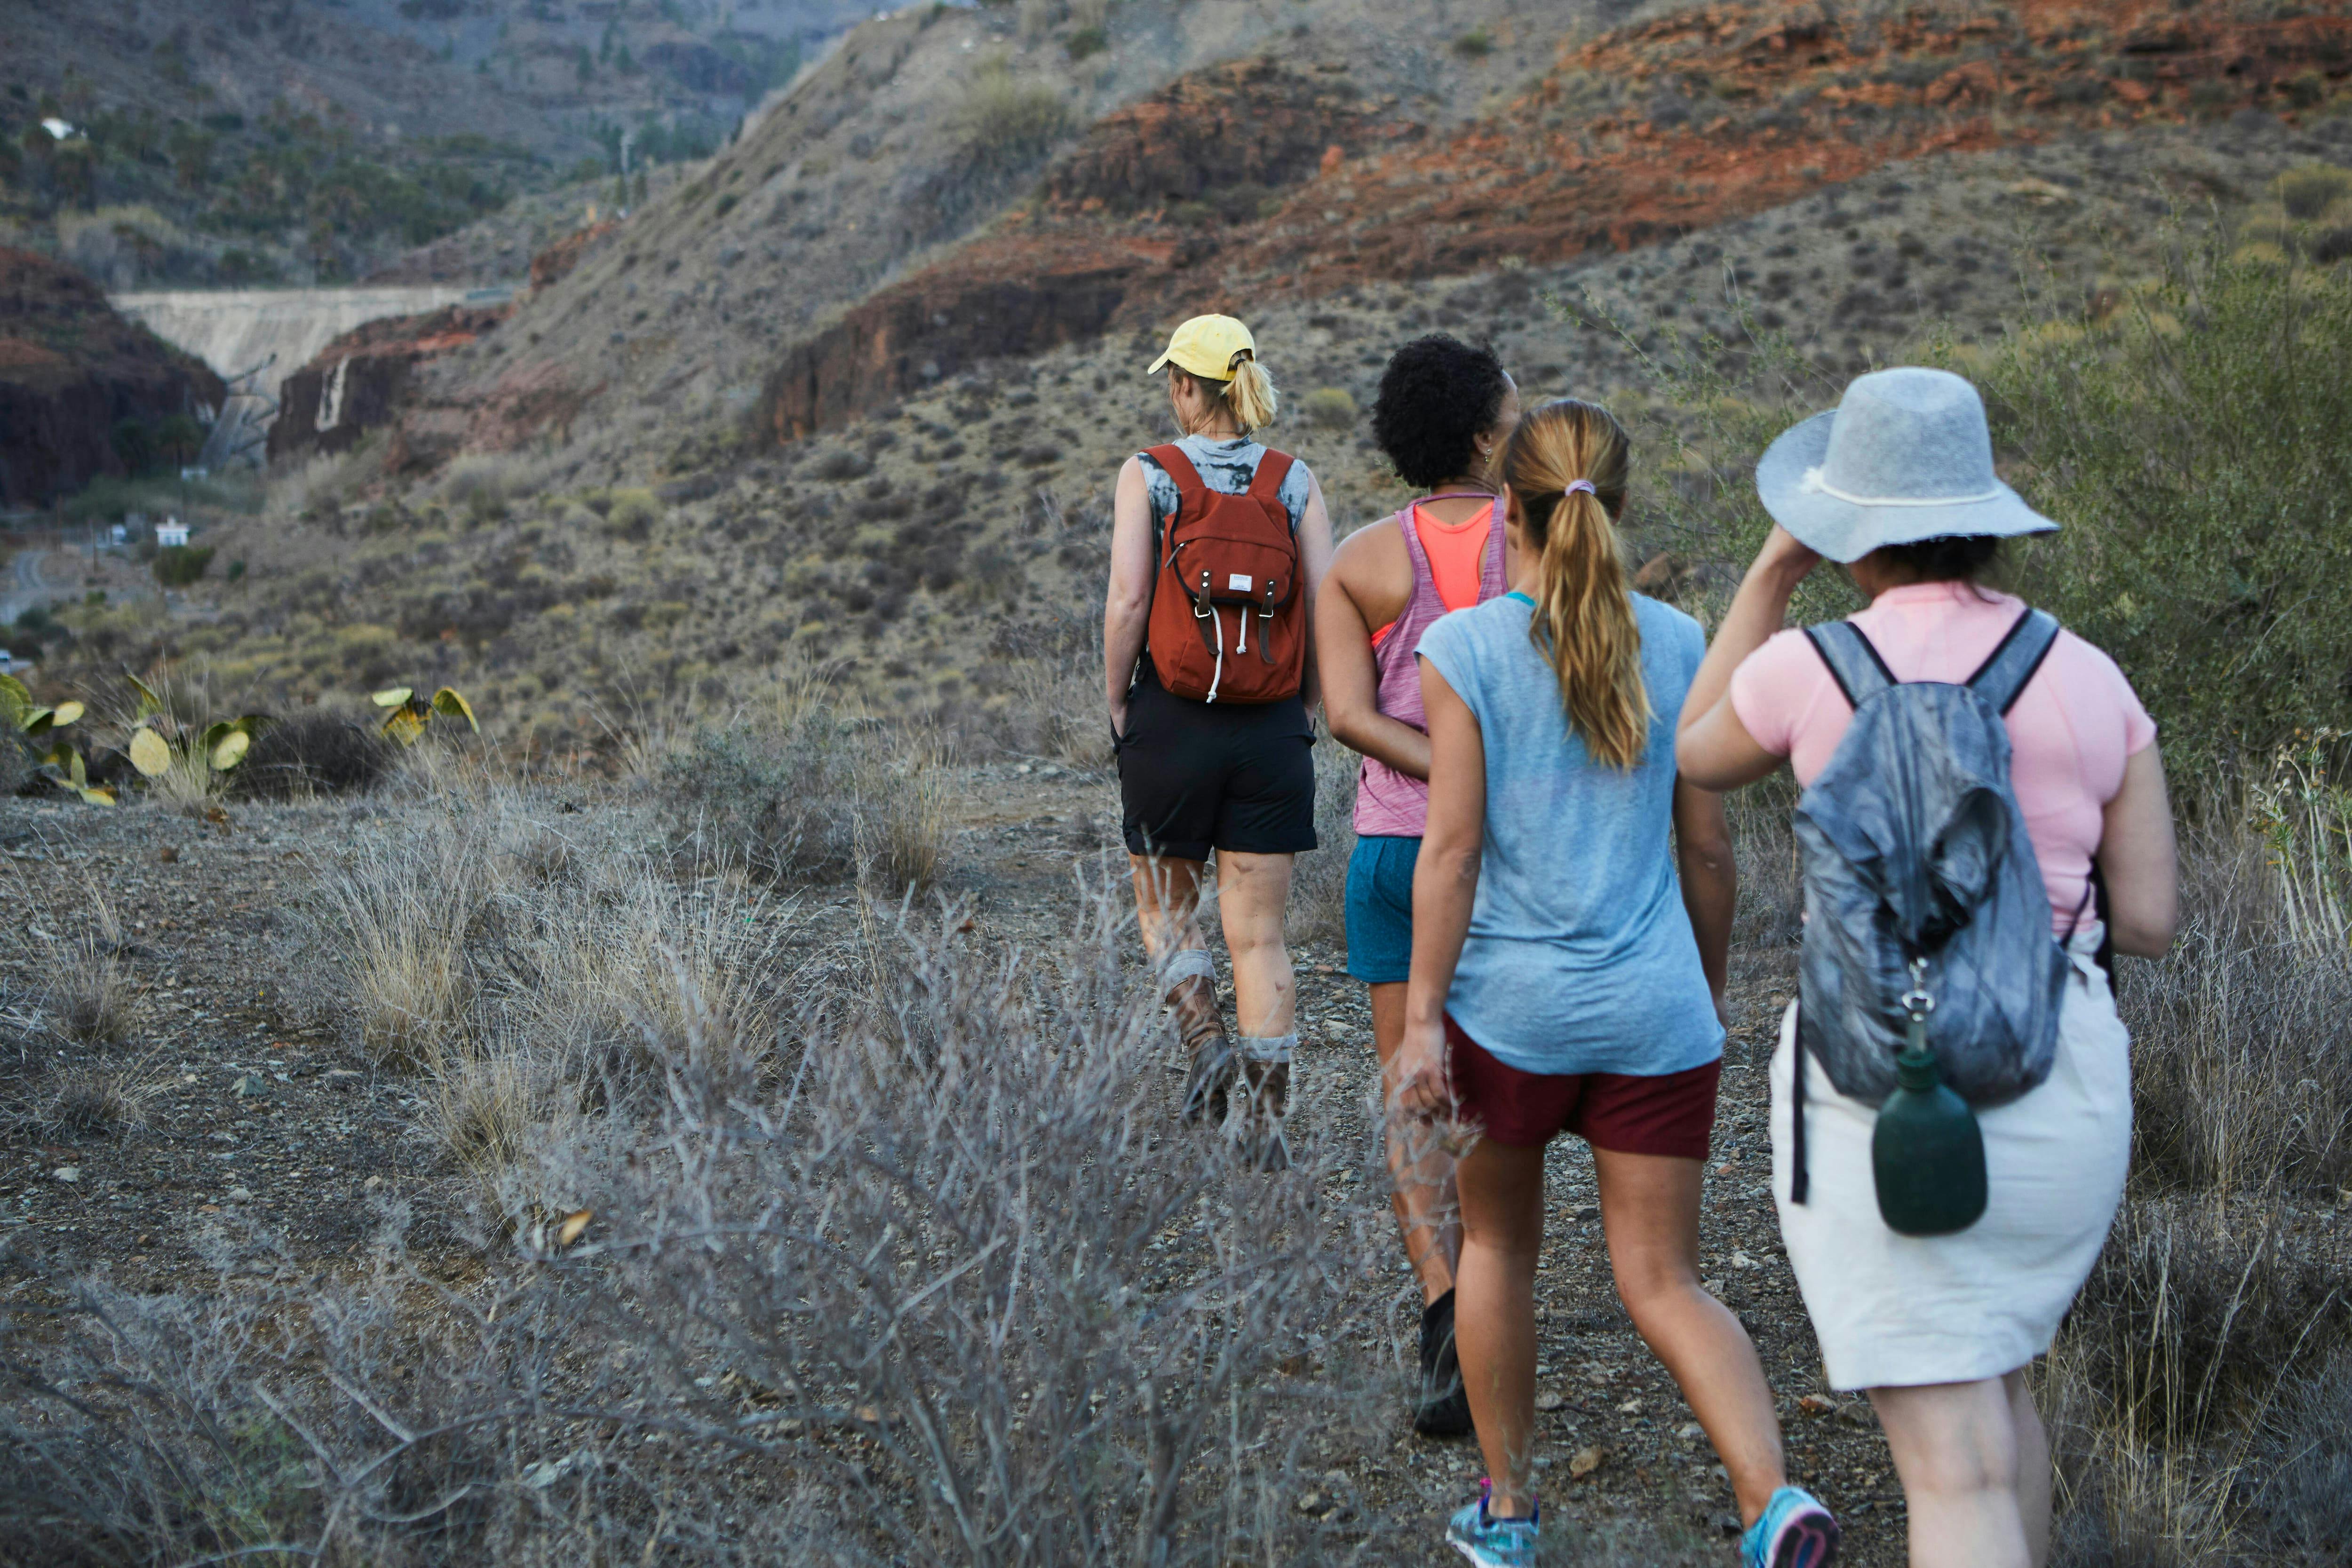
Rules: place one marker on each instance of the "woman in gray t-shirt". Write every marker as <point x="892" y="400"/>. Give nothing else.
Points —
<point x="1565" y="978"/>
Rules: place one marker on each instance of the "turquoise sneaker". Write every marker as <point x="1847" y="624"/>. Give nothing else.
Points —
<point x="1493" y="1542"/>
<point x="1793" y="1531"/>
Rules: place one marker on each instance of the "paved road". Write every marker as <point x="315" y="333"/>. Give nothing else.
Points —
<point x="26" y="587"/>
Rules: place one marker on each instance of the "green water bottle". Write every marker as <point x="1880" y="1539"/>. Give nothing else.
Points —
<point x="1927" y="1151"/>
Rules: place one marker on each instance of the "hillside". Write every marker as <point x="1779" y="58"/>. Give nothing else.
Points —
<point x="922" y="126"/>
<point x="311" y="139"/>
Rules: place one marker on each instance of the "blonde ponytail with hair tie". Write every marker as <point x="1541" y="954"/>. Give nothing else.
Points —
<point x="1568" y="463"/>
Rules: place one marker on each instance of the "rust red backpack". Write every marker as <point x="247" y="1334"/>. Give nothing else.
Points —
<point x="1228" y="622"/>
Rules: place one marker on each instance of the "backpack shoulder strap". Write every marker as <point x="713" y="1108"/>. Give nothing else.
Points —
<point x="1853" y="664"/>
<point x="1179" y="469"/>
<point x="1272" y="470"/>
<point x="2000" y="679"/>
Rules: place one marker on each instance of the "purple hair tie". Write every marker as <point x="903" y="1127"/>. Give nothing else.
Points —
<point x="1583" y="485"/>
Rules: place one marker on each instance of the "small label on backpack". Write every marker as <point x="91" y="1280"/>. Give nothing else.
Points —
<point x="1238" y="583"/>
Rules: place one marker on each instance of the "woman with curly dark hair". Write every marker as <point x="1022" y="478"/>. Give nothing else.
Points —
<point x="1442" y="415"/>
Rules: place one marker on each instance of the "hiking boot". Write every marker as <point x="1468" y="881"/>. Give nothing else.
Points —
<point x="1493" y="1542"/>
<point x="1200" y="1030"/>
<point x="1257" y="1122"/>
<point x="1444" y="1408"/>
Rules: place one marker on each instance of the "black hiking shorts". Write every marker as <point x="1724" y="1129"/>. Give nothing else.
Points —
<point x="1193" y="776"/>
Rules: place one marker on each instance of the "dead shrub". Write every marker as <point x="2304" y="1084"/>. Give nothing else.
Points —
<point x="312" y="754"/>
<point x="2305" y="1498"/>
<point x="950" y="1290"/>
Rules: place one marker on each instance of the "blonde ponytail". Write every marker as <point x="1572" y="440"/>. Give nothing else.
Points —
<point x="1251" y="394"/>
<point x="1584" y="613"/>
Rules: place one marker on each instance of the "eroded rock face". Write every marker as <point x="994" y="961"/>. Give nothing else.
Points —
<point x="1017" y="295"/>
<point x="364" y="379"/>
<point x="70" y="369"/>
<point x="558" y="259"/>
<point x="1246" y="126"/>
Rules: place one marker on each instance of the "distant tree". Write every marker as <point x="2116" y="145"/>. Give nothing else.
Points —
<point x="181" y="438"/>
<point x="135" y="445"/>
<point x="584" y="64"/>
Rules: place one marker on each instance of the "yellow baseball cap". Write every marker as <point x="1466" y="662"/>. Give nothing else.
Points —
<point x="1207" y="346"/>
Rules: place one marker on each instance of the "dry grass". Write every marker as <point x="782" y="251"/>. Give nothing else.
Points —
<point x="2210" y="1318"/>
<point x="91" y="1002"/>
<point x="931" y="1285"/>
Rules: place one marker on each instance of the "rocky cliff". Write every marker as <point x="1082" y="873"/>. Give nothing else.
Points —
<point x="361" y="381"/>
<point x="71" y="370"/>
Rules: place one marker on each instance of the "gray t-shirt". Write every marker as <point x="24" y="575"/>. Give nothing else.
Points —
<point x="1581" y="958"/>
<point x="1226" y="467"/>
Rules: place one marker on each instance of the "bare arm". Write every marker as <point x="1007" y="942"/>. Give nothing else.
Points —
<point x="1710" y="881"/>
<point x="1315" y="554"/>
<point x="2140" y="862"/>
<point x="1712" y="748"/>
<point x="1343" y="653"/>
<point x="1127" y="606"/>
<point x="1444" y="886"/>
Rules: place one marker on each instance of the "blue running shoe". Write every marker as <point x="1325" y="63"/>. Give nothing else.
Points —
<point x="1793" y="1531"/>
<point x="1494" y="1543"/>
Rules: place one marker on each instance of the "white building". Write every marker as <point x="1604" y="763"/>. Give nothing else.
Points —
<point x="169" y="532"/>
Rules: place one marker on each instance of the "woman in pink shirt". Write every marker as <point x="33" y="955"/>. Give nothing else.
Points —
<point x="1898" y="486"/>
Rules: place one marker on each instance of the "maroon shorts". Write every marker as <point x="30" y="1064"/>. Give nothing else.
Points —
<point x="1671" y="1113"/>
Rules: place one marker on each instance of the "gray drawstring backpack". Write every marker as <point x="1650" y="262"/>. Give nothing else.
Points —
<point x="1927" y="922"/>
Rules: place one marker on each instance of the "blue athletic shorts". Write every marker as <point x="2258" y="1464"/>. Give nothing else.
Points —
<point x="1380" y="909"/>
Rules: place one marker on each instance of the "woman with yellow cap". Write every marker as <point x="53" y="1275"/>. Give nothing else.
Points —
<point x="1217" y="547"/>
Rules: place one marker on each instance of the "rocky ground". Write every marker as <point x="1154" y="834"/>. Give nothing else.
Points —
<point x="236" y="1107"/>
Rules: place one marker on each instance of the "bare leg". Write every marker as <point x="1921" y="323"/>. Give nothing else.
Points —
<point x="1495" y="1311"/>
<point x="1649" y="1208"/>
<point x="1252" y="893"/>
<point x="1426" y="1210"/>
<point x="1168" y="903"/>
<point x="1956" y="1449"/>
<point x="2034" y="1475"/>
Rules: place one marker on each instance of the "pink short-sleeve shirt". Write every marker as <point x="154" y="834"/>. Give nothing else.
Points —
<point x="2074" y="726"/>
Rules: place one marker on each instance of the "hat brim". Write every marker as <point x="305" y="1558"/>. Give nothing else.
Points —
<point x="1157" y="365"/>
<point x="1845" y="531"/>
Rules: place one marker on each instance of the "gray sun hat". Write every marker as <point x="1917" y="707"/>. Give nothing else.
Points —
<point x="1905" y="456"/>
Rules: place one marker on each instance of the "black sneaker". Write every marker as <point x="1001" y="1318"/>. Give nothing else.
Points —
<point x="1444" y="1408"/>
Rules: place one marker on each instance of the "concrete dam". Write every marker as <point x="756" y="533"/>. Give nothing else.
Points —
<point x="255" y="338"/>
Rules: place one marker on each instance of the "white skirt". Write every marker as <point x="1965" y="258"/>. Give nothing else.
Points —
<point x="1898" y="1311"/>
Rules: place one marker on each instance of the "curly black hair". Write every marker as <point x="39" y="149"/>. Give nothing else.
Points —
<point x="1437" y="393"/>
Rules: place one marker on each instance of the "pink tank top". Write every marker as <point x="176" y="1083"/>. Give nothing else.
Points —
<point x="1390" y="804"/>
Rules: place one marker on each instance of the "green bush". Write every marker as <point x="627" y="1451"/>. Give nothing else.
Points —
<point x="2197" y="448"/>
<point x="1328" y="408"/>
<point x="1474" y="44"/>
<point x="1088" y="41"/>
<point x="1004" y="124"/>
<point x="177" y="566"/>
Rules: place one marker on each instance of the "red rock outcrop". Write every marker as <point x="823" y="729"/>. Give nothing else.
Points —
<point x="1242" y="127"/>
<point x="1019" y="295"/>
<point x="364" y="379"/>
<point x="567" y="253"/>
<point x="70" y="369"/>
<point x="1736" y="108"/>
